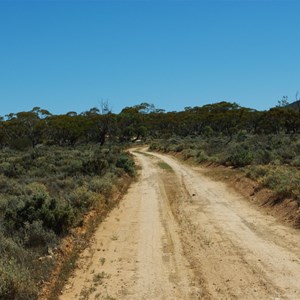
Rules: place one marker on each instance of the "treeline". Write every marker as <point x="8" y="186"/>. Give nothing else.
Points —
<point x="38" y="126"/>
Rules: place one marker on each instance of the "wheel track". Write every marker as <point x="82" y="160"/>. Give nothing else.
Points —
<point x="180" y="235"/>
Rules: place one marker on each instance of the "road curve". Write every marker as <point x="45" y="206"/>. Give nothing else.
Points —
<point x="180" y="235"/>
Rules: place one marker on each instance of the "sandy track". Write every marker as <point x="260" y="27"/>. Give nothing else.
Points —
<point x="136" y="252"/>
<point x="179" y="235"/>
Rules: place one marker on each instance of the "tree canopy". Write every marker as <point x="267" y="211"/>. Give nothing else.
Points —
<point x="99" y="125"/>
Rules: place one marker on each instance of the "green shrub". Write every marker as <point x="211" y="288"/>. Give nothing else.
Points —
<point x="10" y="186"/>
<point x="11" y="169"/>
<point x="82" y="198"/>
<point x="263" y="156"/>
<point x="285" y="181"/>
<point x="126" y="163"/>
<point x="201" y="156"/>
<point x="256" y="172"/>
<point x="282" y="179"/>
<point x="178" y="148"/>
<point x="103" y="185"/>
<point x="43" y="193"/>
<point x="154" y="146"/>
<point x="208" y="131"/>
<point x="37" y="188"/>
<point x="15" y="282"/>
<point x="11" y="248"/>
<point x="240" y="158"/>
<point x="54" y="214"/>
<point x="189" y="153"/>
<point x="35" y="235"/>
<point x="96" y="165"/>
<point x="296" y="161"/>
<point x="20" y="143"/>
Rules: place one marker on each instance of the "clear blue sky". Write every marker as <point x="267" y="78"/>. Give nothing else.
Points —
<point x="69" y="55"/>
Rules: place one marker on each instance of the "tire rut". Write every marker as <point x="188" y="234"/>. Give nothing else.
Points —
<point x="180" y="235"/>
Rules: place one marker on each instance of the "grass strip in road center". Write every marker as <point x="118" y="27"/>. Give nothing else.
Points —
<point x="165" y="166"/>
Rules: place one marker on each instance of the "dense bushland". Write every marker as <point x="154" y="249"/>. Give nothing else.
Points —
<point x="44" y="192"/>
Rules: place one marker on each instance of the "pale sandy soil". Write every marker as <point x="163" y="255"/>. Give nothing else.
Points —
<point x="180" y="235"/>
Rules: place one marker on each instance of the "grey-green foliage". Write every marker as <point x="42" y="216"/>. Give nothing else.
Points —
<point x="44" y="192"/>
<point x="239" y="150"/>
<point x="240" y="157"/>
<point x="15" y="279"/>
<point x="15" y="282"/>
<point x="284" y="180"/>
<point x="55" y="215"/>
<point x="126" y="163"/>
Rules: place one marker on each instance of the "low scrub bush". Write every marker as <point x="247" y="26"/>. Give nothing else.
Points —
<point x="178" y="148"/>
<point x="189" y="153"/>
<point x="126" y="163"/>
<point x="54" y="214"/>
<point x="36" y="235"/>
<point x="82" y="198"/>
<point x="201" y="156"/>
<point x="12" y="248"/>
<point x="239" y="150"/>
<point x="256" y="172"/>
<point x="240" y="157"/>
<point x="103" y="185"/>
<point x="296" y="161"/>
<point x="283" y="180"/>
<point x="15" y="282"/>
<point x="44" y="192"/>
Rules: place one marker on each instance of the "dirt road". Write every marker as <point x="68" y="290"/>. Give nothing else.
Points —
<point x="180" y="235"/>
